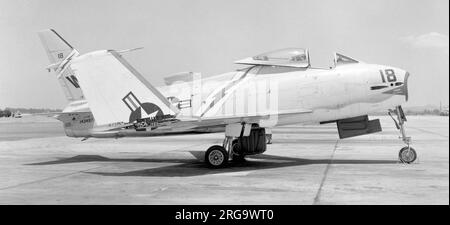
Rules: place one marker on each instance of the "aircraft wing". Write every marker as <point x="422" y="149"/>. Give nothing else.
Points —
<point x="189" y="124"/>
<point x="116" y="92"/>
<point x="224" y="120"/>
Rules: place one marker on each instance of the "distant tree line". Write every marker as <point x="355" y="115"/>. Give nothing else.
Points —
<point x="8" y="112"/>
<point x="424" y="112"/>
<point x="5" y="113"/>
<point x="435" y="112"/>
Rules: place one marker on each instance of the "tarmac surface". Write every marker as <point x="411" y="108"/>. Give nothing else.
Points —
<point x="304" y="165"/>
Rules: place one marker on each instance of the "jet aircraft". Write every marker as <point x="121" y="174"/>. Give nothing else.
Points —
<point x="108" y="98"/>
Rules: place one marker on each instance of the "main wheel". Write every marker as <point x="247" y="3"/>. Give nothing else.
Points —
<point x="407" y="155"/>
<point x="216" y="156"/>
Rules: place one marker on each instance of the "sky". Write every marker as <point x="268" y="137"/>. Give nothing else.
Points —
<point x="208" y="35"/>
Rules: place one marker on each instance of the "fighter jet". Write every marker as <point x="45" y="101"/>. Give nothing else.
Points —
<point x="108" y="98"/>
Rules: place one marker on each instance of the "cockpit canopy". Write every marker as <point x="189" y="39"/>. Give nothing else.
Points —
<point x="340" y="59"/>
<point x="290" y="57"/>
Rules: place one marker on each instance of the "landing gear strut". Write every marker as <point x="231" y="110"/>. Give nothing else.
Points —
<point x="407" y="154"/>
<point x="269" y="139"/>
<point x="268" y="136"/>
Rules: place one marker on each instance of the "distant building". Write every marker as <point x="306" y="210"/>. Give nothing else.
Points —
<point x="17" y="114"/>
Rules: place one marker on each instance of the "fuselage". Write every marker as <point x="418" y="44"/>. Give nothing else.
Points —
<point x="284" y="93"/>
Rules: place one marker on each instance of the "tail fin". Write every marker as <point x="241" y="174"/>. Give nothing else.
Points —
<point x="116" y="92"/>
<point x="60" y="53"/>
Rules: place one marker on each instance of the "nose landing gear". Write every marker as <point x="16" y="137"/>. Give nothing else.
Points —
<point x="407" y="154"/>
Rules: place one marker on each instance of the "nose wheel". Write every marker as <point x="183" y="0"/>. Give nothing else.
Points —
<point x="407" y="154"/>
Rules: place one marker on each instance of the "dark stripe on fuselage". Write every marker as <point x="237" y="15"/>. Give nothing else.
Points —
<point x="378" y="87"/>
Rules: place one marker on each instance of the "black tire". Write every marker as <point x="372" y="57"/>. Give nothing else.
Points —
<point x="237" y="154"/>
<point x="216" y="156"/>
<point x="236" y="147"/>
<point x="407" y="155"/>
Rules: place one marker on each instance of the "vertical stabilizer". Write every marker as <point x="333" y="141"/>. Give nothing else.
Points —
<point x="56" y="47"/>
<point x="60" y="53"/>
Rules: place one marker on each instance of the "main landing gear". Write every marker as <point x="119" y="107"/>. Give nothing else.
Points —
<point x="240" y="140"/>
<point x="268" y="136"/>
<point x="407" y="154"/>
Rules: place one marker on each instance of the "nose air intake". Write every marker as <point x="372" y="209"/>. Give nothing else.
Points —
<point x="400" y="90"/>
<point x="405" y="86"/>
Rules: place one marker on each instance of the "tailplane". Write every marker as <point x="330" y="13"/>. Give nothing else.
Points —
<point x="60" y="53"/>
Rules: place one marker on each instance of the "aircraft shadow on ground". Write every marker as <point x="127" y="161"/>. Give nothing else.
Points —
<point x="196" y="166"/>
